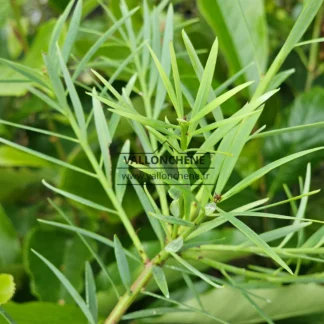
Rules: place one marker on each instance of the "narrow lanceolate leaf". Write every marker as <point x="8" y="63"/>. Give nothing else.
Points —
<point x="89" y="234"/>
<point x="151" y="312"/>
<point x="47" y="158"/>
<point x="38" y="130"/>
<point x="218" y="134"/>
<point x="279" y="79"/>
<point x="261" y="172"/>
<point x="122" y="264"/>
<point x="195" y="271"/>
<point x="7" y="288"/>
<point x="103" y="135"/>
<point x="87" y="245"/>
<point x="90" y="288"/>
<point x="31" y="74"/>
<point x="41" y="95"/>
<point x="218" y="101"/>
<point x="144" y="120"/>
<point x="164" y="77"/>
<point x="121" y="171"/>
<point x="177" y="82"/>
<point x="165" y="62"/>
<point x="192" y="288"/>
<point x="78" y="199"/>
<point x="287" y="130"/>
<point x="302" y="208"/>
<point x="76" y="102"/>
<point x="206" y="80"/>
<point x="56" y="82"/>
<point x="173" y="220"/>
<point x="6" y="316"/>
<point x="145" y="201"/>
<point x="68" y="286"/>
<point x="161" y="281"/>
<point x="305" y="18"/>
<point x="58" y="29"/>
<point x="73" y="31"/>
<point x="256" y="239"/>
<point x="93" y="49"/>
<point x="199" y="70"/>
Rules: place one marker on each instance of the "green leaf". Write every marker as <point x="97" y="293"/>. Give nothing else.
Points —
<point x="144" y="120"/>
<point x="152" y="312"/>
<point x="240" y="40"/>
<point x="177" y="82"/>
<point x="161" y="281"/>
<point x="145" y="201"/>
<point x="165" y="79"/>
<point x="88" y="246"/>
<point x="305" y="18"/>
<point x="79" y="199"/>
<point x="42" y="312"/>
<point x="56" y="82"/>
<point x="73" y="31"/>
<point x="280" y="78"/>
<point x="89" y="234"/>
<point x="206" y="81"/>
<point x="261" y="172"/>
<point x="195" y="271"/>
<point x="175" y="245"/>
<point x="7" y="288"/>
<point x="283" y="305"/>
<point x="38" y="130"/>
<point x="9" y="242"/>
<point x="103" y="135"/>
<point x="121" y="171"/>
<point x="186" y="307"/>
<point x="78" y="109"/>
<point x="57" y="30"/>
<point x="90" y="288"/>
<point x="218" y="134"/>
<point x="173" y="220"/>
<point x="302" y="208"/>
<point x="161" y="87"/>
<point x="298" y="130"/>
<point x="199" y="70"/>
<point x="74" y="294"/>
<point x="50" y="102"/>
<point x="204" y="110"/>
<point x="46" y="157"/>
<point x="256" y="239"/>
<point x="122" y="264"/>
<point x="192" y="288"/>
<point x="288" y="130"/>
<point x="31" y="74"/>
<point x="94" y="48"/>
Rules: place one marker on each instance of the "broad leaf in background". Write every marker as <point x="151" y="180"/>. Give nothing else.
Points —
<point x="41" y="312"/>
<point x="283" y="303"/>
<point x="306" y="109"/>
<point x="9" y="243"/>
<point x="66" y="252"/>
<point x="241" y="29"/>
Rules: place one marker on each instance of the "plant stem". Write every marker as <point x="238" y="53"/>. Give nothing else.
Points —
<point x="109" y="191"/>
<point x="127" y="299"/>
<point x="311" y="67"/>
